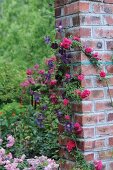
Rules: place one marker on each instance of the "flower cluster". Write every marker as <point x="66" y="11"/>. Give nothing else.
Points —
<point x="98" y="165"/>
<point x="70" y="145"/>
<point x="66" y="43"/>
<point x="36" y="75"/>
<point x="11" y="163"/>
<point x="11" y="141"/>
<point x="42" y="82"/>
<point x="80" y="93"/>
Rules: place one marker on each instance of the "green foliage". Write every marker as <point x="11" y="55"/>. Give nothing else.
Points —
<point x="23" y="25"/>
<point x="9" y="115"/>
<point x="30" y="139"/>
<point x="10" y="78"/>
<point x="80" y="163"/>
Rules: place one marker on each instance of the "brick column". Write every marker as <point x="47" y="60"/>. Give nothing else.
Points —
<point x="92" y="21"/>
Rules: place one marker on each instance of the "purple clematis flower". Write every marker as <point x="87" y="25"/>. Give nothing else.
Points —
<point x="39" y="123"/>
<point x="61" y="50"/>
<point x="39" y="120"/>
<point x="50" y="64"/>
<point x="48" y="76"/>
<point x="36" y="97"/>
<point x="47" y="40"/>
<point x="66" y="58"/>
<point x="59" y="114"/>
<point x="69" y="127"/>
<point x="41" y="117"/>
<point x="44" y="107"/>
<point x="59" y="27"/>
<point x="31" y="92"/>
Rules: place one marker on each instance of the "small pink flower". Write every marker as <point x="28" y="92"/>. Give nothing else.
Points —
<point x="36" y="66"/>
<point x="76" y="38"/>
<point x="65" y="102"/>
<point x="54" y="98"/>
<point x="41" y="71"/>
<point x="31" y="81"/>
<point x="71" y="145"/>
<point x="96" y="56"/>
<point x="102" y="74"/>
<point x="51" y="71"/>
<point x="88" y="50"/>
<point x="11" y="141"/>
<point x="98" y="165"/>
<point x="85" y="94"/>
<point x="53" y="82"/>
<point x="80" y="77"/>
<point x="77" y="125"/>
<point x="29" y="72"/>
<point x="67" y="76"/>
<point x="78" y="128"/>
<point x="67" y="117"/>
<point x="66" y="43"/>
<point x="2" y="152"/>
<point x="25" y="83"/>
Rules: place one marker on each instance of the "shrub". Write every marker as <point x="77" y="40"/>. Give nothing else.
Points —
<point x="10" y="78"/>
<point x="9" y="162"/>
<point x="22" y="30"/>
<point x="30" y="139"/>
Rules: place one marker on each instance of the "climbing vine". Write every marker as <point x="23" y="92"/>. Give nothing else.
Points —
<point x="60" y="86"/>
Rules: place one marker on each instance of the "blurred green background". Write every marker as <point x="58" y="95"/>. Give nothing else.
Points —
<point x="23" y="26"/>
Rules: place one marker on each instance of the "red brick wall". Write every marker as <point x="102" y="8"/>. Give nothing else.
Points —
<point x="93" y="21"/>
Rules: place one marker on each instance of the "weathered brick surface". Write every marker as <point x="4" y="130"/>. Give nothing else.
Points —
<point x="92" y="21"/>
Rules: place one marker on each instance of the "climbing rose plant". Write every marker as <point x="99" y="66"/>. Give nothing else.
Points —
<point x="56" y="75"/>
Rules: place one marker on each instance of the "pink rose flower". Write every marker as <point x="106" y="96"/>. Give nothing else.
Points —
<point x="67" y="76"/>
<point x="36" y="66"/>
<point x="71" y="145"/>
<point x="31" y="81"/>
<point x="41" y="71"/>
<point x="66" y="43"/>
<point x="80" y="77"/>
<point x="88" y="50"/>
<point x="76" y="38"/>
<point x="67" y="117"/>
<point x="25" y="83"/>
<point x="54" y="98"/>
<point x="95" y="55"/>
<point x="85" y="94"/>
<point x="102" y="74"/>
<point x="65" y="102"/>
<point x="29" y="72"/>
<point x="78" y="128"/>
<point x="98" y="165"/>
<point x="53" y="82"/>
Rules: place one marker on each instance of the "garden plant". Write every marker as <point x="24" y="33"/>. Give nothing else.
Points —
<point x="30" y="124"/>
